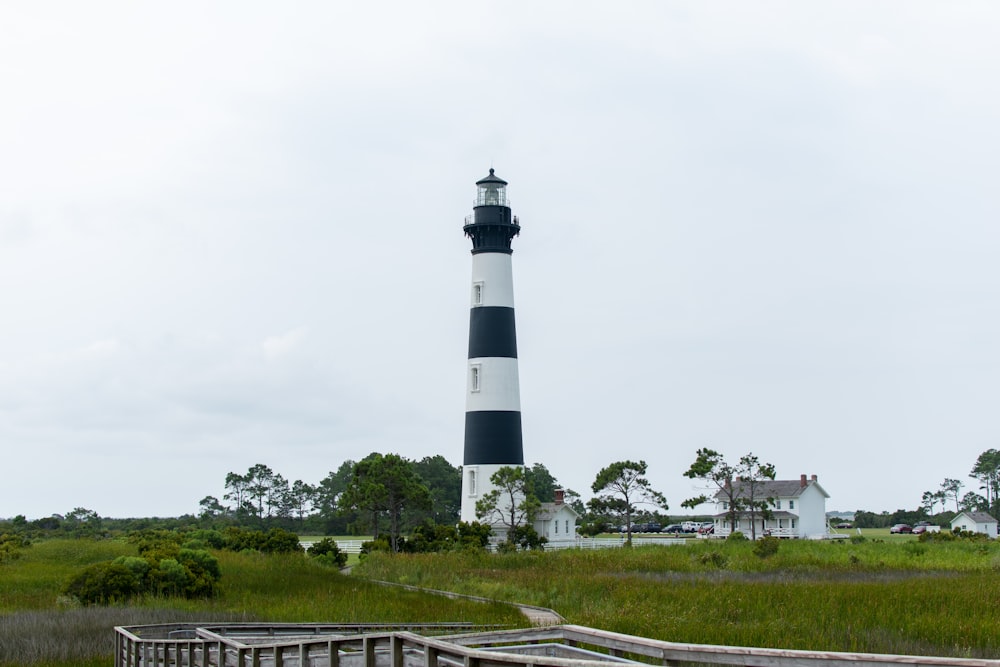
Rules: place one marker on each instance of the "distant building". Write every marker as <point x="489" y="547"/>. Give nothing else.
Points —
<point x="975" y="522"/>
<point x="798" y="509"/>
<point x="556" y="521"/>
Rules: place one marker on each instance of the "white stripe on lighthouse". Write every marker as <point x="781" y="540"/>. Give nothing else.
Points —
<point x="493" y="385"/>
<point x="493" y="275"/>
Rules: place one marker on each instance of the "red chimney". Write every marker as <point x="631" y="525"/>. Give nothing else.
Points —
<point x="802" y="480"/>
<point x="814" y="478"/>
<point x="560" y="496"/>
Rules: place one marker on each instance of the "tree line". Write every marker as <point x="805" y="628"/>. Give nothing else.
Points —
<point x="388" y="496"/>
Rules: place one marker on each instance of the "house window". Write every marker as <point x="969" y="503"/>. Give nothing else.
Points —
<point x="477" y="294"/>
<point x="791" y="504"/>
<point x="556" y="522"/>
<point x="793" y="520"/>
<point x="725" y="506"/>
<point x="777" y="503"/>
<point x="567" y="526"/>
<point x="475" y="381"/>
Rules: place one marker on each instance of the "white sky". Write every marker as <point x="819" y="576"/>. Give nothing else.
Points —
<point x="231" y="233"/>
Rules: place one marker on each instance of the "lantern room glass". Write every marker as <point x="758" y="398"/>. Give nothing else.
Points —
<point x="491" y="194"/>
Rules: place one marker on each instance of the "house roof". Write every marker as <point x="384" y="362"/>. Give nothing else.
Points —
<point x="778" y="488"/>
<point x="977" y="517"/>
<point x="548" y="510"/>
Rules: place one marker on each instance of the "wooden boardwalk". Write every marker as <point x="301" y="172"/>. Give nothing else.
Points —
<point x="292" y="645"/>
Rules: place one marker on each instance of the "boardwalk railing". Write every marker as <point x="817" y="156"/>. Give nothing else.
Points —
<point x="553" y="646"/>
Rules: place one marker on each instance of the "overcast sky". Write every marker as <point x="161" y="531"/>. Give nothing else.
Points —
<point x="231" y="233"/>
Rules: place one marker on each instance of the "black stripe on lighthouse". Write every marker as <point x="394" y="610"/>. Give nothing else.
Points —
<point x="493" y="436"/>
<point x="492" y="333"/>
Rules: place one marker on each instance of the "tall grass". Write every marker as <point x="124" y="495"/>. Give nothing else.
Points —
<point x="914" y="598"/>
<point x="37" y="627"/>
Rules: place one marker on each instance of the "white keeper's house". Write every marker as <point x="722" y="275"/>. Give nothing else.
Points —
<point x="798" y="509"/>
<point x="556" y="521"/>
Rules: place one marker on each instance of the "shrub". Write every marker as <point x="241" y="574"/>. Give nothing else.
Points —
<point x="327" y="552"/>
<point x="858" y="539"/>
<point x="713" y="559"/>
<point x="11" y="545"/>
<point x="103" y="583"/>
<point x="766" y="546"/>
<point x="737" y="536"/>
<point x="276" y="540"/>
<point x="212" y="538"/>
<point x="380" y="543"/>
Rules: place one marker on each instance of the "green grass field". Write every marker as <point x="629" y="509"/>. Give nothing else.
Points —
<point x="883" y="595"/>
<point x="897" y="596"/>
<point x="39" y="628"/>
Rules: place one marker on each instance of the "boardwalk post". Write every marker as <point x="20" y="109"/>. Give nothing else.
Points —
<point x="430" y="656"/>
<point x="396" y="651"/>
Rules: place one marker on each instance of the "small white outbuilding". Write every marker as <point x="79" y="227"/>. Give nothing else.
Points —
<point x="975" y="522"/>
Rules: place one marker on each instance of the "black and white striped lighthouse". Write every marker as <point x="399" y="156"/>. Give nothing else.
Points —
<point x="493" y="401"/>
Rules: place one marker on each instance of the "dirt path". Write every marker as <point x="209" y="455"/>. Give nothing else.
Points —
<point x="539" y="616"/>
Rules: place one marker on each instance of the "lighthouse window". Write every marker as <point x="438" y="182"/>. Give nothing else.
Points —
<point x="474" y="379"/>
<point x="472" y="482"/>
<point x="477" y="294"/>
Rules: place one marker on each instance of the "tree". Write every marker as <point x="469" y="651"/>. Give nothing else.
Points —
<point x="385" y="486"/>
<point x="83" y="522"/>
<point x="444" y="482"/>
<point x="973" y="502"/>
<point x="743" y="486"/>
<point x="710" y="467"/>
<point x="210" y="508"/>
<point x="260" y="486"/>
<point x="542" y="481"/>
<point x="328" y="493"/>
<point x="952" y="488"/>
<point x="987" y="471"/>
<point x="512" y="502"/>
<point x="301" y="497"/>
<point x="930" y="499"/>
<point x="236" y="493"/>
<point x="622" y="486"/>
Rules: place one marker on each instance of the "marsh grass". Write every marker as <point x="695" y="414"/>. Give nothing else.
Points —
<point x="900" y="597"/>
<point x="39" y="627"/>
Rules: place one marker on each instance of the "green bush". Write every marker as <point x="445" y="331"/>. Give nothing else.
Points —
<point x="766" y="546"/>
<point x="11" y="545"/>
<point x="327" y="552"/>
<point x="212" y="538"/>
<point x="162" y="568"/>
<point x="713" y="559"/>
<point x="103" y="583"/>
<point x="737" y="536"/>
<point x="276" y="540"/>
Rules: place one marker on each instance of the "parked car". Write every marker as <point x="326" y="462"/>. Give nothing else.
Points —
<point x="691" y="526"/>
<point x="707" y="528"/>
<point x="674" y="528"/>
<point x="842" y="525"/>
<point x="901" y="528"/>
<point x="649" y="527"/>
<point x="921" y="527"/>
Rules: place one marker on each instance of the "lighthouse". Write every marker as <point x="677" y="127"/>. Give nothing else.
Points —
<point x="493" y="401"/>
